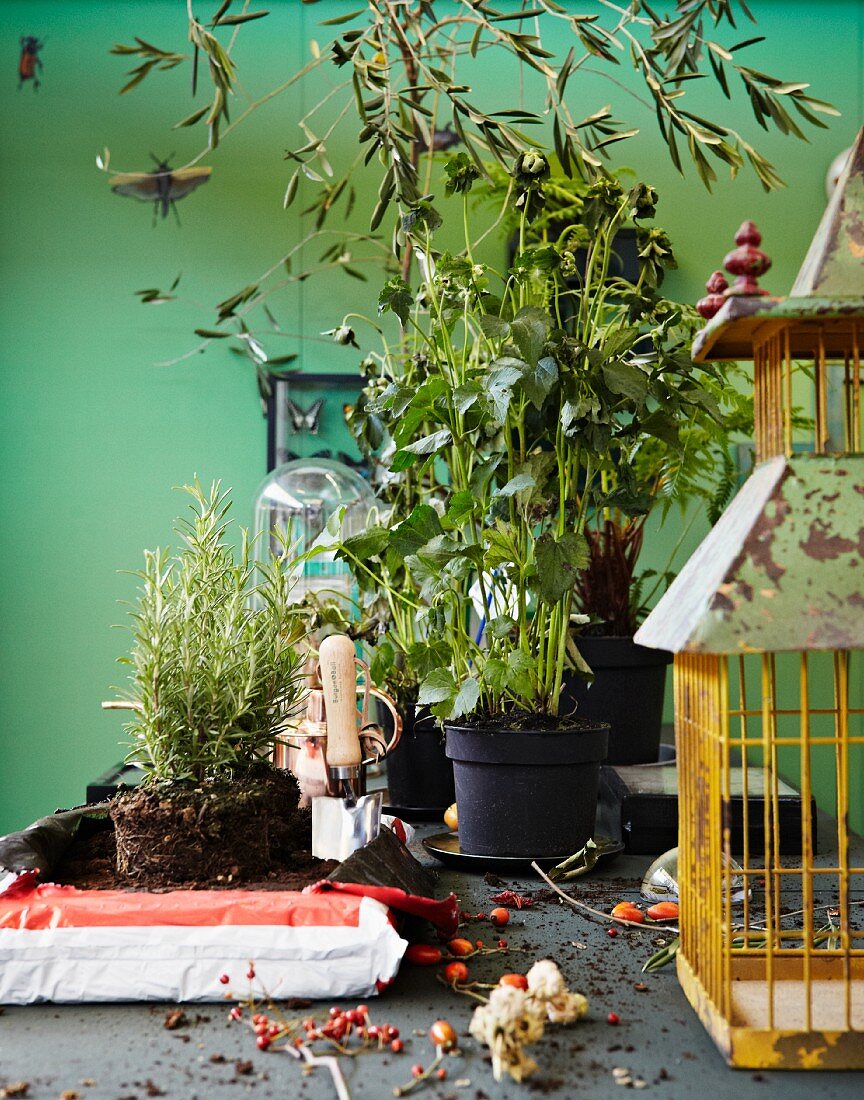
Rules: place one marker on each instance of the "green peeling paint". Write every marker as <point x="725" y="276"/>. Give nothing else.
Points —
<point x="782" y="570"/>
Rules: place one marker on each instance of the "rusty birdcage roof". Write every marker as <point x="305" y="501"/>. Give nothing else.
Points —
<point x="829" y="286"/>
<point x="782" y="570"/>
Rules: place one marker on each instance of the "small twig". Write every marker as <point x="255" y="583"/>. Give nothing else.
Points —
<point x="597" y="912"/>
<point x="331" y="1063"/>
<point x="466" y="990"/>
<point x="759" y="925"/>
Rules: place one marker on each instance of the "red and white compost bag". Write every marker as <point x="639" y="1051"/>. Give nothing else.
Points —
<point x="59" y="943"/>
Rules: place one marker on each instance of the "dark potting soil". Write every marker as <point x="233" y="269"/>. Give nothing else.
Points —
<point x="522" y="721"/>
<point x="91" y="864"/>
<point x="245" y="834"/>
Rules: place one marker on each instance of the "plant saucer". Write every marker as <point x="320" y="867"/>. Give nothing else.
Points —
<point x="445" y="847"/>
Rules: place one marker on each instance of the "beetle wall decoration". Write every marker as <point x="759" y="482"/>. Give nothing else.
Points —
<point x="29" y="63"/>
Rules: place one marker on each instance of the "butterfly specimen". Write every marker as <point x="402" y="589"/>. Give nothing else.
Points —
<point x="305" y="420"/>
<point x="442" y="140"/>
<point x="292" y="456"/>
<point x="29" y="63"/>
<point x="163" y="186"/>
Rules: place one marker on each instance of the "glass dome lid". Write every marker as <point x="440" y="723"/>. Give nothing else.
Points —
<point x="299" y="499"/>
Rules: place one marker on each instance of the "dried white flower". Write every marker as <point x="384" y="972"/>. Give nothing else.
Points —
<point x="545" y="980"/>
<point x="566" y="1008"/>
<point x="510" y="1020"/>
<point x="546" y="985"/>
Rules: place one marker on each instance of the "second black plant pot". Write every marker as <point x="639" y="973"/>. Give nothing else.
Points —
<point x="526" y="792"/>
<point x="627" y="692"/>
<point x="419" y="775"/>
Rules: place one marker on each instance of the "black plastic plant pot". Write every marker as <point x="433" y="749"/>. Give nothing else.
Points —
<point x="628" y="690"/>
<point x="419" y="775"/>
<point x="526" y="792"/>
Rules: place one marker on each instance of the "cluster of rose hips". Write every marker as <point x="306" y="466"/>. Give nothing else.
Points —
<point x="265" y="1030"/>
<point x="342" y="1024"/>
<point x="427" y="954"/>
<point x="338" y="1028"/>
<point x="455" y="973"/>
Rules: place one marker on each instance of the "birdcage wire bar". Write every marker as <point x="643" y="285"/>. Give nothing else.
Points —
<point x="818" y="348"/>
<point x="789" y="957"/>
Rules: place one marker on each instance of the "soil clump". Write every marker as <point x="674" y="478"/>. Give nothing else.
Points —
<point x="244" y="834"/>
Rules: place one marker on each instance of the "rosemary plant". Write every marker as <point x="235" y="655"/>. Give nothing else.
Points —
<point x="217" y="651"/>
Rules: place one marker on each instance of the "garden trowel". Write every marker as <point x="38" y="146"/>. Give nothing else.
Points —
<point x="344" y="820"/>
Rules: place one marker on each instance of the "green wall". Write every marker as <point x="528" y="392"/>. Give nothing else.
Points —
<point x="94" y="434"/>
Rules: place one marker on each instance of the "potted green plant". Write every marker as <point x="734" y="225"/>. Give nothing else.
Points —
<point x="215" y="667"/>
<point x="638" y="477"/>
<point x="517" y="413"/>
<point x="614" y="593"/>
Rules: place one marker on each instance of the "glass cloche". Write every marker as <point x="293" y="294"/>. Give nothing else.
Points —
<point x="299" y="498"/>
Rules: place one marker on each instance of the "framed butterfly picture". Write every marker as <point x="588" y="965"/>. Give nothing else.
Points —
<point x="306" y="418"/>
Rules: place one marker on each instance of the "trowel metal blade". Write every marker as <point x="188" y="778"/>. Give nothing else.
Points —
<point x="340" y="828"/>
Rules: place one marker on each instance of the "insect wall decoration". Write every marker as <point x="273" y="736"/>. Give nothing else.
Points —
<point x="29" y="63"/>
<point x="305" y="420"/>
<point x="441" y="140"/>
<point x="163" y="186"/>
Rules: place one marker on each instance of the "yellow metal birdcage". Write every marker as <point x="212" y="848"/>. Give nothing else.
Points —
<point x="766" y="621"/>
<point x="772" y="950"/>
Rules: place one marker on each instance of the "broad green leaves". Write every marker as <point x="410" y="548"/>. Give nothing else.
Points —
<point x="625" y="379"/>
<point x="528" y="331"/>
<point x="446" y="697"/>
<point x="513" y="427"/>
<point x="396" y="296"/>
<point x="415" y="531"/>
<point x="538" y="382"/>
<point x="558" y="563"/>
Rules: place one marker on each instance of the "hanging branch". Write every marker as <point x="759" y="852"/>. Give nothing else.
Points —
<point x="406" y="63"/>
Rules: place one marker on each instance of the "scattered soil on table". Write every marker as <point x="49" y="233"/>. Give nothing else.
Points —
<point x="213" y="835"/>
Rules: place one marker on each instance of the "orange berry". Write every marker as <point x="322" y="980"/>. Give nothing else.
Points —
<point x="455" y="973"/>
<point x="441" y="1033"/>
<point x="664" y="910"/>
<point x="423" y="954"/>
<point x="626" y="910"/>
<point x="519" y="981"/>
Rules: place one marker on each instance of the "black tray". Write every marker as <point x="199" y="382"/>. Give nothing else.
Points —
<point x="415" y="813"/>
<point x="445" y="847"/>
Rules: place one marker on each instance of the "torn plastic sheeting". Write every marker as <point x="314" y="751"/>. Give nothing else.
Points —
<point x="86" y="963"/>
<point x="62" y="944"/>
<point x="444" y="915"/>
<point x="43" y="844"/>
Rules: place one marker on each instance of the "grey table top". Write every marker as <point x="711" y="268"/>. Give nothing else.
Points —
<point x="124" y="1051"/>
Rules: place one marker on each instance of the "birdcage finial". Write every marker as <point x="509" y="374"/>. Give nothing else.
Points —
<point x="711" y="303"/>
<point x="748" y="262"/>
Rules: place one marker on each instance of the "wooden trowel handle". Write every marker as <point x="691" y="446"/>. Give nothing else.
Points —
<point x="338" y="680"/>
